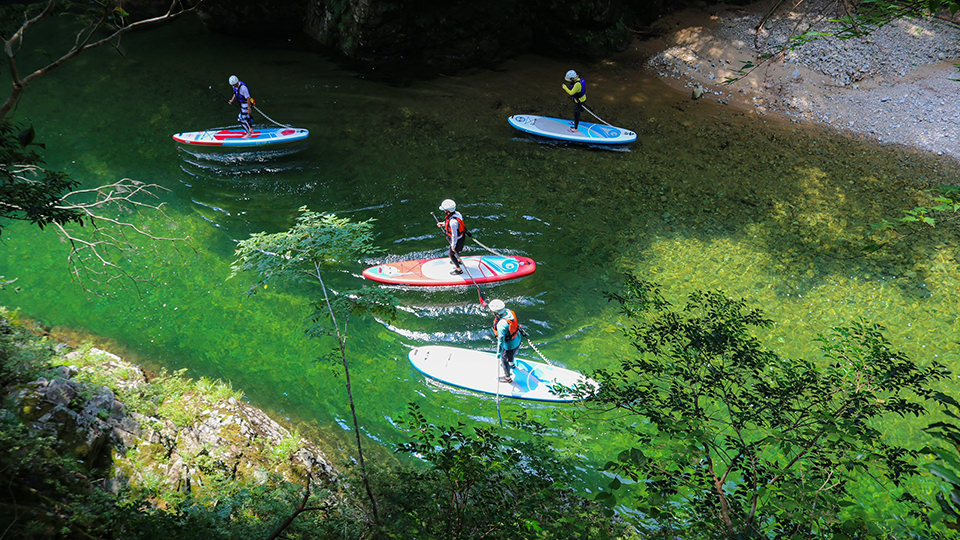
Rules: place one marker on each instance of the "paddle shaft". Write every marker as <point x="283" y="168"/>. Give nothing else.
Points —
<point x="263" y="114"/>
<point x="460" y="262"/>
<point x="500" y="418"/>
<point x="217" y="92"/>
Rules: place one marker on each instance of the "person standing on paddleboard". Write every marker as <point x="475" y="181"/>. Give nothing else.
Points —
<point x="507" y="329"/>
<point x="456" y="232"/>
<point x="242" y="94"/>
<point x="578" y="91"/>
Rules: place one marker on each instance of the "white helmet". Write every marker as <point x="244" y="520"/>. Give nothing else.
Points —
<point x="497" y="306"/>
<point x="448" y="205"/>
<point x="233" y="80"/>
<point x="572" y="75"/>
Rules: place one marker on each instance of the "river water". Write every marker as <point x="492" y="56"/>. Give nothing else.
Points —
<point x="708" y="197"/>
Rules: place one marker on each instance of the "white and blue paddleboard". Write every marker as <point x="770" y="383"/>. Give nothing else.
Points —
<point x="235" y="137"/>
<point x="559" y="129"/>
<point x="481" y="371"/>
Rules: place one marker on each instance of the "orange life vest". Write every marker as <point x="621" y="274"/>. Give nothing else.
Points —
<point x="460" y="226"/>
<point x="513" y="327"/>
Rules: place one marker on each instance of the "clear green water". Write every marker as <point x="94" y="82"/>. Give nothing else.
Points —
<point x="709" y="197"/>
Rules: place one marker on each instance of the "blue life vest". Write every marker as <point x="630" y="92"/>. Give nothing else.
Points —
<point x="237" y="94"/>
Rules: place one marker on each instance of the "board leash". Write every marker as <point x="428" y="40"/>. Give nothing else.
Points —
<point x="534" y="347"/>
<point x="485" y="247"/>
<point x="271" y="119"/>
<point x="225" y="98"/>
<point x="597" y="117"/>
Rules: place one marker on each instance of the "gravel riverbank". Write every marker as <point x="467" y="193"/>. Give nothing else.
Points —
<point x="893" y="86"/>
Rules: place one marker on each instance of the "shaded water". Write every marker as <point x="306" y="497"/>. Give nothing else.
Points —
<point x="708" y="197"/>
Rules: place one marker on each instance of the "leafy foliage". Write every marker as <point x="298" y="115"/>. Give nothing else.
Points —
<point x="29" y="192"/>
<point x="943" y="206"/>
<point x="746" y="442"/>
<point x="313" y="244"/>
<point x="947" y="460"/>
<point x="315" y="241"/>
<point x="478" y="483"/>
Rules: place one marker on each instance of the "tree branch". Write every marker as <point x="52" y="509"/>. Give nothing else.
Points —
<point x="81" y="44"/>
<point x="88" y="253"/>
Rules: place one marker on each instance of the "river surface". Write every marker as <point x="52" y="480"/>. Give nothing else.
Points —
<point x="709" y="197"/>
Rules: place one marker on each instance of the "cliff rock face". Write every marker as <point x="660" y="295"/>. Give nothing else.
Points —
<point x="254" y="19"/>
<point x="423" y="35"/>
<point x="431" y="36"/>
<point x="198" y="436"/>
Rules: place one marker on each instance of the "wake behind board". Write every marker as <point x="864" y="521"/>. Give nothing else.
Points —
<point x="559" y="129"/>
<point x="234" y="137"/>
<point x="480" y="371"/>
<point x="436" y="272"/>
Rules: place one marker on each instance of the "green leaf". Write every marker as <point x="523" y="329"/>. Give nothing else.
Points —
<point x="945" y="473"/>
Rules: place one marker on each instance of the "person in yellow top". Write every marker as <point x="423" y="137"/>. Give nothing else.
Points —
<point x="578" y="91"/>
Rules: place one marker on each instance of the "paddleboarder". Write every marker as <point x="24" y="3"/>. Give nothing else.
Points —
<point x="578" y="91"/>
<point x="507" y="329"/>
<point x="456" y="231"/>
<point x="241" y="93"/>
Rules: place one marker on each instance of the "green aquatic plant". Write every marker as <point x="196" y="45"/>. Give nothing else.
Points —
<point x="743" y="442"/>
<point x="942" y="207"/>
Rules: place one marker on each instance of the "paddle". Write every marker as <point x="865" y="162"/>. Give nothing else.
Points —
<point x="263" y="114"/>
<point x="500" y="418"/>
<point x="217" y="92"/>
<point x="467" y="270"/>
<point x="484" y="304"/>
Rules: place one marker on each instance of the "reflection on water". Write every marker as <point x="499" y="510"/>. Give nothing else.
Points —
<point x="709" y="197"/>
<point x="564" y="145"/>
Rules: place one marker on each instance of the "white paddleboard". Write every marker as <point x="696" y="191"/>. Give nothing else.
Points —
<point x="480" y="371"/>
<point x="559" y="129"/>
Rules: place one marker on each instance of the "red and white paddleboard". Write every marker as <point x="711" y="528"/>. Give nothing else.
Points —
<point x="436" y="272"/>
<point x="234" y="137"/>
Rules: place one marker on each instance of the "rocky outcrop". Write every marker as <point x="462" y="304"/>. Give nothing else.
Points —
<point x="199" y="437"/>
<point x="430" y="36"/>
<point x="449" y="35"/>
<point x="254" y="19"/>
